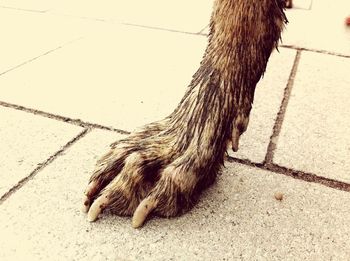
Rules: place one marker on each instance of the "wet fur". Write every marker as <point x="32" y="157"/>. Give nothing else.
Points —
<point x="171" y="161"/>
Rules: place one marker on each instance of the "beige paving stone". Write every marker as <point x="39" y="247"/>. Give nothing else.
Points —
<point x="315" y="135"/>
<point x="237" y="218"/>
<point x="28" y="35"/>
<point x="181" y="15"/>
<point x="322" y="28"/>
<point x="123" y="76"/>
<point x="27" y="140"/>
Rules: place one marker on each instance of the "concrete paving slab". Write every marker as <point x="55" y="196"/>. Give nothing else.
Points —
<point x="315" y="135"/>
<point x="237" y="218"/>
<point x="322" y="28"/>
<point x="124" y="76"/>
<point x="27" y="140"/>
<point x="268" y="98"/>
<point x="29" y="35"/>
<point x="181" y="15"/>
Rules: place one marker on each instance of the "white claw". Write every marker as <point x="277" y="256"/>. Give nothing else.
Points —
<point x="142" y="211"/>
<point x="97" y="207"/>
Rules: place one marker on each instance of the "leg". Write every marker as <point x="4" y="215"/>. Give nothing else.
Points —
<point x="164" y="167"/>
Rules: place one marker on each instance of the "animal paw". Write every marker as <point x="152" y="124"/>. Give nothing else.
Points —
<point x="142" y="174"/>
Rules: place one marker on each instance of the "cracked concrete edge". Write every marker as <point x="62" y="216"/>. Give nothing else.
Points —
<point x="43" y="164"/>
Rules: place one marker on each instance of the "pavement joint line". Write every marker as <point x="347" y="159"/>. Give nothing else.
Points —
<point x="297" y="174"/>
<point x="76" y="122"/>
<point x="42" y="165"/>
<point x="41" y="55"/>
<point x="96" y="19"/>
<point x="163" y="29"/>
<point x="282" y="111"/>
<point x="25" y="10"/>
<point x="321" y="51"/>
<point x="201" y="32"/>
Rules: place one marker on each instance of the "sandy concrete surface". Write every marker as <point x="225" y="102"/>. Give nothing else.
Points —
<point x="237" y="218"/>
<point x="26" y="142"/>
<point x="317" y="122"/>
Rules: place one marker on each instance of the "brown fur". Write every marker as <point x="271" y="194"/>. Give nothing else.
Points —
<point x="171" y="161"/>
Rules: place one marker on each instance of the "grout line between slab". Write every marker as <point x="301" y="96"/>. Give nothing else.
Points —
<point x="42" y="165"/>
<point x="76" y="122"/>
<point x="297" y="174"/>
<point x="25" y="10"/>
<point x="314" y="50"/>
<point x="282" y="111"/>
<point x="163" y="29"/>
<point x="41" y="55"/>
<point x="95" y="19"/>
<point x="201" y="32"/>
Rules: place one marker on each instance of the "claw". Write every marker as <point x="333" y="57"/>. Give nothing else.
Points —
<point x="97" y="207"/>
<point x="142" y="211"/>
<point x="89" y="193"/>
<point x="235" y="140"/>
<point x="86" y="204"/>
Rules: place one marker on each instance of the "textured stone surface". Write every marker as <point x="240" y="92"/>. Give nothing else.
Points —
<point x="236" y="218"/>
<point x="27" y="140"/>
<point x="315" y="135"/>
